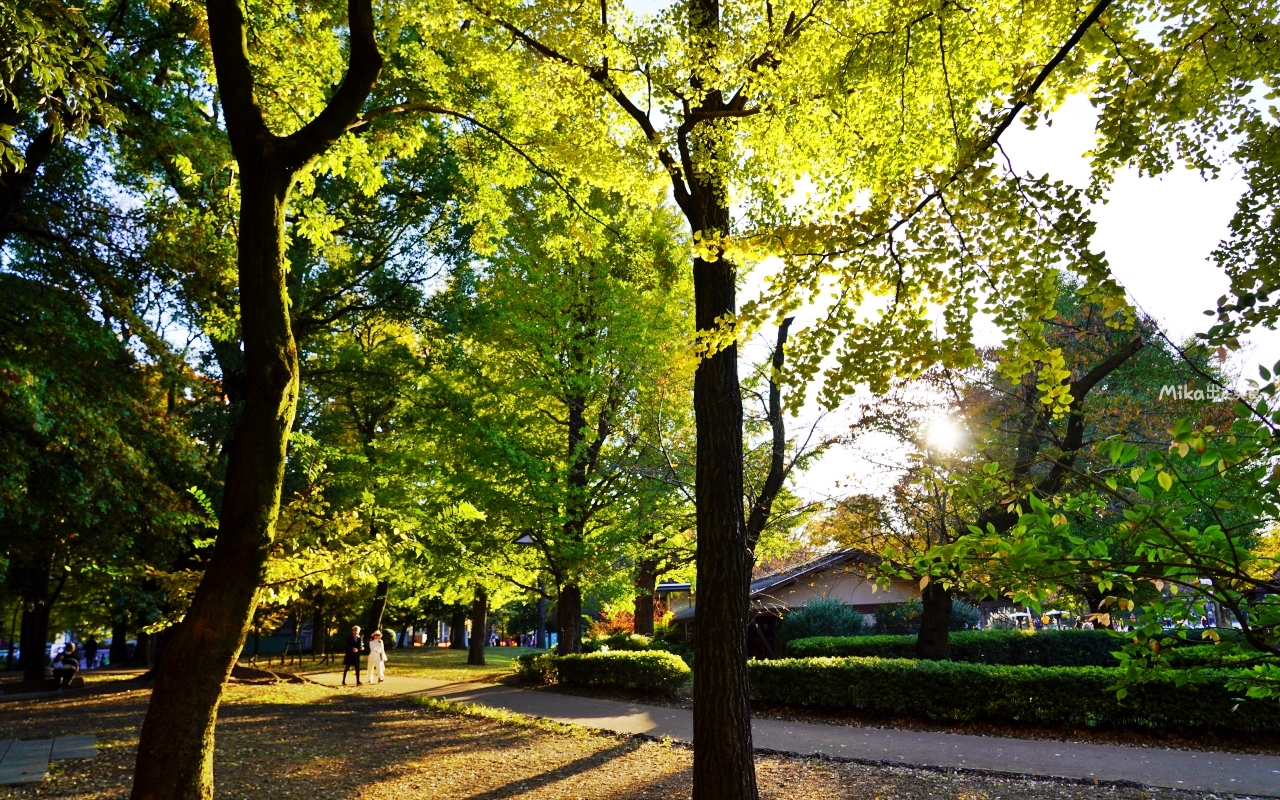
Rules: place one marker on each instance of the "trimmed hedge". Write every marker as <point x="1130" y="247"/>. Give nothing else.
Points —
<point x="619" y="641"/>
<point x="1065" y="648"/>
<point x="646" y="670"/>
<point x="638" y="642"/>
<point x="942" y="691"/>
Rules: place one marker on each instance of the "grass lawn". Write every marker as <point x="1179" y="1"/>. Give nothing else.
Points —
<point x="423" y="662"/>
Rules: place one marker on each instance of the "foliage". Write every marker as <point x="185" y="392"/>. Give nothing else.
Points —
<point x="1181" y="530"/>
<point x="52" y="65"/>
<point x="899" y="618"/>
<point x="565" y="382"/>
<point x="648" y="671"/>
<point x="621" y="640"/>
<point x="1065" y="648"/>
<point x="1067" y="697"/>
<point x="824" y="616"/>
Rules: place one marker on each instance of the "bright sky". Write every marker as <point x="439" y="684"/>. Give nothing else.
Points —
<point x="1157" y="234"/>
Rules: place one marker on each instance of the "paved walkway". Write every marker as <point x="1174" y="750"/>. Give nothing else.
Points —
<point x="1237" y="773"/>
<point x="28" y="761"/>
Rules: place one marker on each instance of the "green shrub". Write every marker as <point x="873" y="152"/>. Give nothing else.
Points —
<point x="904" y="618"/>
<point x="942" y="691"/>
<point x="964" y="616"/>
<point x="899" y="619"/>
<point x="618" y="641"/>
<point x="1207" y="655"/>
<point x="634" y="642"/>
<point x="536" y="667"/>
<point x="648" y="670"/>
<point x="821" y="617"/>
<point x="1065" y="648"/>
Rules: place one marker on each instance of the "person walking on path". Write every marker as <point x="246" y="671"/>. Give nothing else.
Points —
<point x="351" y="658"/>
<point x="66" y="665"/>
<point x="377" y="658"/>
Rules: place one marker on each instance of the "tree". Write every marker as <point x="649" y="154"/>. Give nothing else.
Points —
<point x="92" y="461"/>
<point x="755" y="99"/>
<point x="175" y="751"/>
<point x="569" y="334"/>
<point x="1011" y="446"/>
<point x="52" y="85"/>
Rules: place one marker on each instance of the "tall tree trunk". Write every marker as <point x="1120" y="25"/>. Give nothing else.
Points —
<point x="458" y="629"/>
<point x="175" y="753"/>
<point x="142" y="653"/>
<point x="541" y="641"/>
<point x="646" y="586"/>
<point x="319" y="627"/>
<point x="13" y="636"/>
<point x="479" y="627"/>
<point x="723" y="758"/>
<point x="576" y="501"/>
<point x="175" y="750"/>
<point x="373" y="618"/>
<point x="933" y="642"/>
<point x="34" y="582"/>
<point x="118" y="655"/>
<point x="569" y="615"/>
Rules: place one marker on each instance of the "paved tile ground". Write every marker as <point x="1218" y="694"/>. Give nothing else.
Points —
<point x="28" y="761"/>
<point x="1179" y="769"/>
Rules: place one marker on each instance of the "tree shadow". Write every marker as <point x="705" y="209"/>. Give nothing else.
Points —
<point x="594" y="761"/>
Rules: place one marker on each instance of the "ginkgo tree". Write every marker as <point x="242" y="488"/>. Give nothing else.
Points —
<point x="857" y="143"/>
<point x="568" y="333"/>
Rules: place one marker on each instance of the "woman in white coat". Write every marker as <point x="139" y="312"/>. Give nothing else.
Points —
<point x="377" y="657"/>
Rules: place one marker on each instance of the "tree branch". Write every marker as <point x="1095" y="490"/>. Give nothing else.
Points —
<point x="777" y="463"/>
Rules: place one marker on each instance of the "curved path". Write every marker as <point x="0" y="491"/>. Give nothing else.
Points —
<point x="1234" y="773"/>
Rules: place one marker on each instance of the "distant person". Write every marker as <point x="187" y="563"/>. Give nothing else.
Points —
<point x="90" y="653"/>
<point x="377" y="658"/>
<point x="351" y="657"/>
<point x="65" y="666"/>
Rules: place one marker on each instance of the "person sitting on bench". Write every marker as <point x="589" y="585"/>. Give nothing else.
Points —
<point x="66" y="665"/>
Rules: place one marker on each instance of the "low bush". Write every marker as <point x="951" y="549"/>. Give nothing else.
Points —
<point x="899" y="619"/>
<point x="904" y="618"/>
<point x="1065" y="648"/>
<point x="821" y="617"/>
<point x="634" y="642"/>
<point x="943" y="691"/>
<point x="647" y="670"/>
<point x="618" y="641"/>
<point x="1207" y="655"/>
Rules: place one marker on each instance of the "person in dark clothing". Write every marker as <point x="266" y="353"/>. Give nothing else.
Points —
<point x="66" y="665"/>
<point x="351" y="658"/>
<point x="90" y="652"/>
